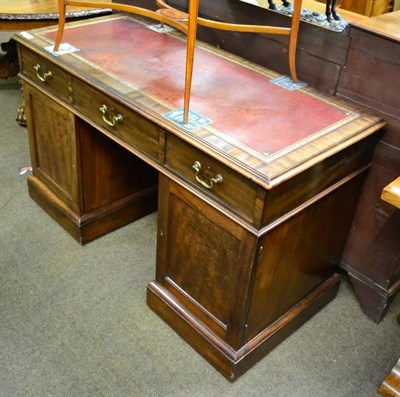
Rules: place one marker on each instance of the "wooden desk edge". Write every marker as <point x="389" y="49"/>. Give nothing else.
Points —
<point x="391" y="193"/>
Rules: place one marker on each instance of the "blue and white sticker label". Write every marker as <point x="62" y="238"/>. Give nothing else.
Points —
<point x="287" y="83"/>
<point x="161" y="28"/>
<point x="195" y="120"/>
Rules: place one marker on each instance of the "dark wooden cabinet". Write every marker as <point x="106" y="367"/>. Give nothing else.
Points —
<point x="372" y="255"/>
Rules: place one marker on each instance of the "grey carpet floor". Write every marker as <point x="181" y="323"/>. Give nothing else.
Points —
<point x="74" y="321"/>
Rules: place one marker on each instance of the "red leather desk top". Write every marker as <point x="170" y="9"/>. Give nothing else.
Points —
<point x="268" y="132"/>
<point x="242" y="103"/>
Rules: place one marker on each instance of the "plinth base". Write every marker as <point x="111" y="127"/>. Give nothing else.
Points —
<point x="97" y="223"/>
<point x="229" y="362"/>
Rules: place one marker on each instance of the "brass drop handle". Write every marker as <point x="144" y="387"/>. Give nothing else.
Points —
<point x="43" y="76"/>
<point x="206" y="181"/>
<point x="108" y="118"/>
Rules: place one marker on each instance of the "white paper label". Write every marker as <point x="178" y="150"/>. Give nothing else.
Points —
<point x="26" y="35"/>
<point x="64" y="48"/>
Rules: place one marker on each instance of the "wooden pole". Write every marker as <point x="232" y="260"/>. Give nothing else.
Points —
<point x="61" y="23"/>
<point x="293" y="39"/>
<point x="191" y="42"/>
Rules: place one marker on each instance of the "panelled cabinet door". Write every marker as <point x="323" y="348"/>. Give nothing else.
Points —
<point x="204" y="259"/>
<point x="53" y="145"/>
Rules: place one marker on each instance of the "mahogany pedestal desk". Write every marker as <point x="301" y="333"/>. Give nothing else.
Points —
<point x="255" y="195"/>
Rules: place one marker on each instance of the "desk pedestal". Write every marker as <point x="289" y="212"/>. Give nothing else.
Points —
<point x="233" y="295"/>
<point x="85" y="181"/>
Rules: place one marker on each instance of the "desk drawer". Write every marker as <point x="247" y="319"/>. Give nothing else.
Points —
<point x="125" y="123"/>
<point x="232" y="189"/>
<point x="45" y="73"/>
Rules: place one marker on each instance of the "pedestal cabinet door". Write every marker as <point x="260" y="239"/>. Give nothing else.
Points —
<point x="204" y="259"/>
<point x="53" y="145"/>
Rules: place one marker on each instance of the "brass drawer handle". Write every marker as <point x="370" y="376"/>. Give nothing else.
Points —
<point x="108" y="118"/>
<point x="205" y="180"/>
<point x="42" y="76"/>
